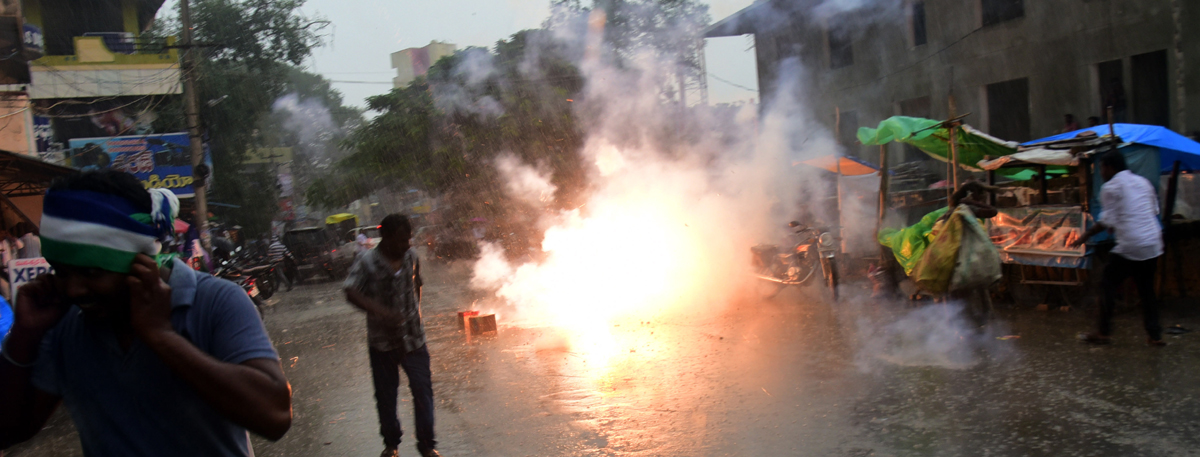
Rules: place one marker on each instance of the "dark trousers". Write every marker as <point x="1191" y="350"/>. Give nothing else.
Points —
<point x="385" y="372"/>
<point x="1115" y="273"/>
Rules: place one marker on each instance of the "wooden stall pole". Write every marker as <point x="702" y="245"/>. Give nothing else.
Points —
<point x="953" y="176"/>
<point x="1172" y="191"/>
<point x="1086" y="164"/>
<point x="1111" y="130"/>
<point x="885" y="262"/>
<point x="991" y="181"/>
<point x="883" y="186"/>
<point x="954" y="156"/>
<point x="1045" y="185"/>
<point x="837" y="179"/>
<point x="1169" y="206"/>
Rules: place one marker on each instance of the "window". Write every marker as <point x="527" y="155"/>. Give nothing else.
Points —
<point x="848" y="133"/>
<point x="1151" y="97"/>
<point x="918" y="23"/>
<point x="997" y="11"/>
<point x="841" y="54"/>
<point x="1111" y="84"/>
<point x="1008" y="110"/>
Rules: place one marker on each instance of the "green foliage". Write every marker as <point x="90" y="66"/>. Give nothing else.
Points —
<point x="672" y="28"/>
<point x="444" y="133"/>
<point x="250" y="56"/>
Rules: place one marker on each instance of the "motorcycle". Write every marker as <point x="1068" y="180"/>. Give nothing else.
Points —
<point x="814" y="248"/>
<point x="270" y="276"/>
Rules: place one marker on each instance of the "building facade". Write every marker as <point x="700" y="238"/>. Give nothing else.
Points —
<point x="82" y="70"/>
<point x="1016" y="67"/>
<point x="413" y="63"/>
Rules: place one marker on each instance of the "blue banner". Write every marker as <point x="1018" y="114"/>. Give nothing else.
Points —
<point x="159" y="161"/>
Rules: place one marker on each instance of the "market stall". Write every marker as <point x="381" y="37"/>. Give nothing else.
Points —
<point x="1037" y="215"/>
<point x="1153" y="152"/>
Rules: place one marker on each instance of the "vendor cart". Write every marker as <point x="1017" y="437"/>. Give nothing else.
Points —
<point x="1150" y="151"/>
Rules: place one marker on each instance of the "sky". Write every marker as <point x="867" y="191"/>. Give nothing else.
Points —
<point x="364" y="33"/>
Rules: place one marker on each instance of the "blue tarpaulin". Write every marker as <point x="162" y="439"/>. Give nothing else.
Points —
<point x="1172" y="146"/>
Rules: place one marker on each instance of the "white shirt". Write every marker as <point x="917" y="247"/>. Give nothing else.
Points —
<point x="1129" y="207"/>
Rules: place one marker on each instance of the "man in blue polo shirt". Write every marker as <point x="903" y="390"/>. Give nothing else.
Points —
<point x="149" y="360"/>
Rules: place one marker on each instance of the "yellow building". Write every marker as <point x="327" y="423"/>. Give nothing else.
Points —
<point x="412" y="63"/>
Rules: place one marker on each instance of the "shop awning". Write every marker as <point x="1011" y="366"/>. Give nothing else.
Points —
<point x="26" y="176"/>
<point x="849" y="165"/>
<point x="1172" y="146"/>
<point x="933" y="138"/>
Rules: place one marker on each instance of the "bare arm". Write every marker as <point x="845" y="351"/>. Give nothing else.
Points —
<point x="24" y="408"/>
<point x="254" y="394"/>
<point x="1095" y="230"/>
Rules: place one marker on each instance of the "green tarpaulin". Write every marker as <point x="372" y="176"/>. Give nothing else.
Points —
<point x="909" y="243"/>
<point x="928" y="136"/>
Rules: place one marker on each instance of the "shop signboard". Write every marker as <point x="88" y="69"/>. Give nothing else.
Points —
<point x="159" y="161"/>
<point x="21" y="271"/>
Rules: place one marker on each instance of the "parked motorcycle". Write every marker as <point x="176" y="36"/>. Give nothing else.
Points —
<point x="270" y="276"/>
<point x="815" y="249"/>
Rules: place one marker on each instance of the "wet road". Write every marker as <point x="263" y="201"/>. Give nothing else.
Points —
<point x="789" y="376"/>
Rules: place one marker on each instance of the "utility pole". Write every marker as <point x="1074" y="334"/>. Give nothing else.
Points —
<point x="192" y="108"/>
<point x="1181" y="121"/>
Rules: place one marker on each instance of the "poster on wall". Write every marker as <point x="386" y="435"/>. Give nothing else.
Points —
<point x="43" y="134"/>
<point x="159" y="161"/>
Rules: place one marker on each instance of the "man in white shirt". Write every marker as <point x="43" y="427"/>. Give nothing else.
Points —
<point x="1129" y="209"/>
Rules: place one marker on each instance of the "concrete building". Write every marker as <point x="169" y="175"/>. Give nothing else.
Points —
<point x="80" y="70"/>
<point x="412" y="63"/>
<point x="1017" y="66"/>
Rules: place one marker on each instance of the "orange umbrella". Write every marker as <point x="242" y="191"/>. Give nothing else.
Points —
<point x="850" y="166"/>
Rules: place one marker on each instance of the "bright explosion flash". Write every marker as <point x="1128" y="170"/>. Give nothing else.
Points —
<point x="653" y="239"/>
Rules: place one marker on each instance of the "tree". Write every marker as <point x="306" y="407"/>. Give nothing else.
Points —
<point x="671" y="29"/>
<point x="442" y="133"/>
<point x="254" y="49"/>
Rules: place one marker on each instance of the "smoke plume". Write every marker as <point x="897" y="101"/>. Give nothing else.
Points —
<point x="677" y="195"/>
<point x="309" y="119"/>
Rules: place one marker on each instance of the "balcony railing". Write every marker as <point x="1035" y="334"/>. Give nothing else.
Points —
<point x="116" y="49"/>
<point x="126" y="43"/>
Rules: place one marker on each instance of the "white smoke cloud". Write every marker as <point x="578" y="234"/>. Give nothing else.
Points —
<point x="934" y="335"/>
<point x="475" y="68"/>
<point x="525" y="182"/>
<point x="309" y="119"/>
<point x="676" y="198"/>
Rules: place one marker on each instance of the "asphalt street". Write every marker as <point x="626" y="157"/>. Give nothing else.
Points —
<point x="793" y="375"/>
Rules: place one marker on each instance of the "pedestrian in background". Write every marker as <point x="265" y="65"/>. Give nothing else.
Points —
<point x="386" y="283"/>
<point x="8" y="252"/>
<point x="1069" y="123"/>
<point x="1129" y="209"/>
<point x="278" y="254"/>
